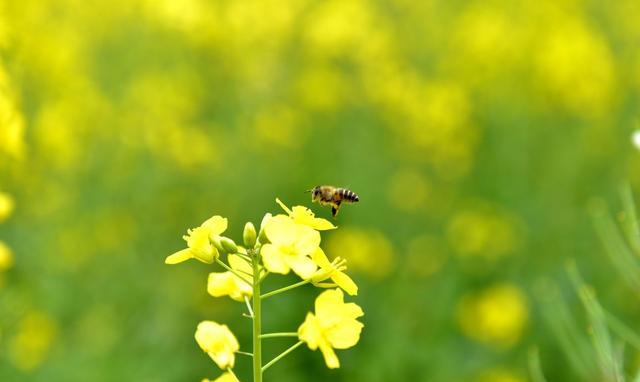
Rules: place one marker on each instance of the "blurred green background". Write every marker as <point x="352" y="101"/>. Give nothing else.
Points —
<point x="475" y="133"/>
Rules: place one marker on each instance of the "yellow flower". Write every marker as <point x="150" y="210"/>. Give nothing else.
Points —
<point x="290" y="246"/>
<point x="228" y="284"/>
<point x="199" y="242"/>
<point x="334" y="326"/>
<point x="6" y="257"/>
<point x="332" y="270"/>
<point x="6" y="206"/>
<point x="303" y="215"/>
<point x="217" y="341"/>
<point x="226" y="377"/>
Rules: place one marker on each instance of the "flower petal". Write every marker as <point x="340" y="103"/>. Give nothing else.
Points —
<point x="228" y="284"/>
<point x="179" y="257"/>
<point x="303" y="266"/>
<point x="217" y="341"/>
<point x="345" y="335"/>
<point x="330" y="357"/>
<point x="345" y="282"/>
<point x="216" y="225"/>
<point x="273" y="259"/>
<point x="280" y="229"/>
<point x="321" y="259"/>
<point x="306" y="240"/>
<point x="309" y="331"/>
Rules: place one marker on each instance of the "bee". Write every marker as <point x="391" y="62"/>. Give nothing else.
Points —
<point x="333" y="196"/>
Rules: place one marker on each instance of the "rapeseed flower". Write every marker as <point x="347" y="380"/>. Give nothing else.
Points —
<point x="229" y="284"/>
<point x="199" y="242"/>
<point x="334" y="271"/>
<point x="290" y="247"/>
<point x="303" y="215"/>
<point x="218" y="342"/>
<point x="333" y="326"/>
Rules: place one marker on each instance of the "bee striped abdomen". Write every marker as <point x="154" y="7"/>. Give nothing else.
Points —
<point x="347" y="195"/>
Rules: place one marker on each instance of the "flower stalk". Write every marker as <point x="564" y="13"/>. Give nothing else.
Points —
<point x="275" y="335"/>
<point x="282" y="355"/>
<point x="257" y="313"/>
<point x="284" y="289"/>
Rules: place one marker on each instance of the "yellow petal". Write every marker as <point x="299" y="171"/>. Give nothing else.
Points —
<point x="301" y="265"/>
<point x="226" y="377"/>
<point x="309" y="331"/>
<point x="228" y="284"/>
<point x="306" y="240"/>
<point x="345" y="335"/>
<point x="280" y="229"/>
<point x="273" y="259"/>
<point x="329" y="300"/>
<point x="330" y="357"/>
<point x="216" y="225"/>
<point x="320" y="258"/>
<point x="217" y="341"/>
<point x="179" y="257"/>
<point x="303" y="215"/>
<point x="345" y="282"/>
<point x="199" y="243"/>
<point x="223" y="359"/>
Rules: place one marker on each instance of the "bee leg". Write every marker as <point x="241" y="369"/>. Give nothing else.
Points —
<point x="334" y="209"/>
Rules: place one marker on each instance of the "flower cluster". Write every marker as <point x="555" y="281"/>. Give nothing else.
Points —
<point x="285" y="243"/>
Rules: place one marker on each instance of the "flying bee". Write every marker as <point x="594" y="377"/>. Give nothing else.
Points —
<point x="333" y="196"/>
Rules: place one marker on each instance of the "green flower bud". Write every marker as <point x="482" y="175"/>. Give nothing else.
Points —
<point x="217" y="243"/>
<point x="262" y="236"/>
<point x="249" y="235"/>
<point x="228" y="245"/>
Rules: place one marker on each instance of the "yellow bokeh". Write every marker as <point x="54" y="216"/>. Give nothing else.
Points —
<point x="495" y="316"/>
<point x="33" y="338"/>
<point x="6" y="206"/>
<point x="12" y="126"/>
<point x="367" y="251"/>
<point x="484" y="231"/>
<point x="6" y="257"/>
<point x="500" y="375"/>
<point x="575" y="66"/>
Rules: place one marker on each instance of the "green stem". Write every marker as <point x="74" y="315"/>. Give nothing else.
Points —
<point x="257" y="345"/>
<point x="274" y="335"/>
<point x="292" y="286"/>
<point x="225" y="266"/>
<point x="284" y="353"/>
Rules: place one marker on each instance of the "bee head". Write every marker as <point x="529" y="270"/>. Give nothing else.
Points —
<point x="315" y="193"/>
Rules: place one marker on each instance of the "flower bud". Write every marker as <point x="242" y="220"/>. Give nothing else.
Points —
<point x="262" y="236"/>
<point x="216" y="240"/>
<point x="228" y="245"/>
<point x="249" y="235"/>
